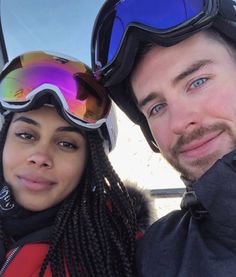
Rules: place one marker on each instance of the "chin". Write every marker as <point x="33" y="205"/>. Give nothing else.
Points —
<point x="34" y="207"/>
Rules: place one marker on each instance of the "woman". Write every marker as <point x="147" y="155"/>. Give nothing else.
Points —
<point x="63" y="209"/>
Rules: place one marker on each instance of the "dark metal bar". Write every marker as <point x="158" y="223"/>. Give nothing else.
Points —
<point x="161" y="193"/>
<point x="3" y="49"/>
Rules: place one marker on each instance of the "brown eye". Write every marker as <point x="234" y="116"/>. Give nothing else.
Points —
<point x="68" y="145"/>
<point x="25" y="136"/>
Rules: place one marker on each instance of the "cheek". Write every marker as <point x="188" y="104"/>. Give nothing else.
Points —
<point x="73" y="175"/>
<point x="223" y="100"/>
<point x="73" y="169"/>
<point x="223" y="107"/>
<point x="9" y="159"/>
<point x="160" y="134"/>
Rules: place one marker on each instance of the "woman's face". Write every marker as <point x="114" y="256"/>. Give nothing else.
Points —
<point x="44" y="158"/>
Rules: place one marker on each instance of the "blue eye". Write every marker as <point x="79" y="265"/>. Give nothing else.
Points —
<point x="157" y="109"/>
<point x="199" y="82"/>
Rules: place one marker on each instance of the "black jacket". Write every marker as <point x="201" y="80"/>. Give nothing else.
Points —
<point x="200" y="240"/>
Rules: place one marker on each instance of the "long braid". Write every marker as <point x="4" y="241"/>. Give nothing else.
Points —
<point x="120" y="223"/>
<point x="88" y="229"/>
<point x="55" y="253"/>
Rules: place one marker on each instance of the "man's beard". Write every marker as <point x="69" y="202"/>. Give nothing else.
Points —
<point x="199" y="165"/>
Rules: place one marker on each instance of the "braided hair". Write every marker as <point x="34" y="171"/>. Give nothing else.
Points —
<point x="94" y="229"/>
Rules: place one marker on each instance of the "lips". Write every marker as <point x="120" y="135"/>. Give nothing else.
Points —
<point x="198" y="146"/>
<point x="35" y="182"/>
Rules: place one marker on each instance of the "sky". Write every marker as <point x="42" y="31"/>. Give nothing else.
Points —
<point x="65" y="26"/>
<point x="62" y="26"/>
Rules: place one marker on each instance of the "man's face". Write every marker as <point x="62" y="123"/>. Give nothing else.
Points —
<point x="187" y="92"/>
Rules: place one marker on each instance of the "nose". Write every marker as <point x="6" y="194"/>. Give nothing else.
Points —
<point x="40" y="159"/>
<point x="184" y="117"/>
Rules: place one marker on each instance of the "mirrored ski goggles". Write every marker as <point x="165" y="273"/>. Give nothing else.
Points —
<point x="166" y="19"/>
<point x="84" y="100"/>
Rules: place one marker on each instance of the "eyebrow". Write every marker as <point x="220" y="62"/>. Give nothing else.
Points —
<point x="59" y="129"/>
<point x="149" y="98"/>
<point x="70" y="129"/>
<point x="190" y="70"/>
<point x="27" y="120"/>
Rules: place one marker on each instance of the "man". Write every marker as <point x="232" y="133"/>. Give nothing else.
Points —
<point x="171" y="65"/>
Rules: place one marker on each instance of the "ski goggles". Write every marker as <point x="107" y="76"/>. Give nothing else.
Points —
<point x="168" y="21"/>
<point x="36" y="74"/>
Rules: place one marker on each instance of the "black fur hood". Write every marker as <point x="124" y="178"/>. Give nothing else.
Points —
<point x="143" y="204"/>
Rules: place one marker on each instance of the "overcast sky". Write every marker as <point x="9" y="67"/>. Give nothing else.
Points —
<point x="62" y="26"/>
